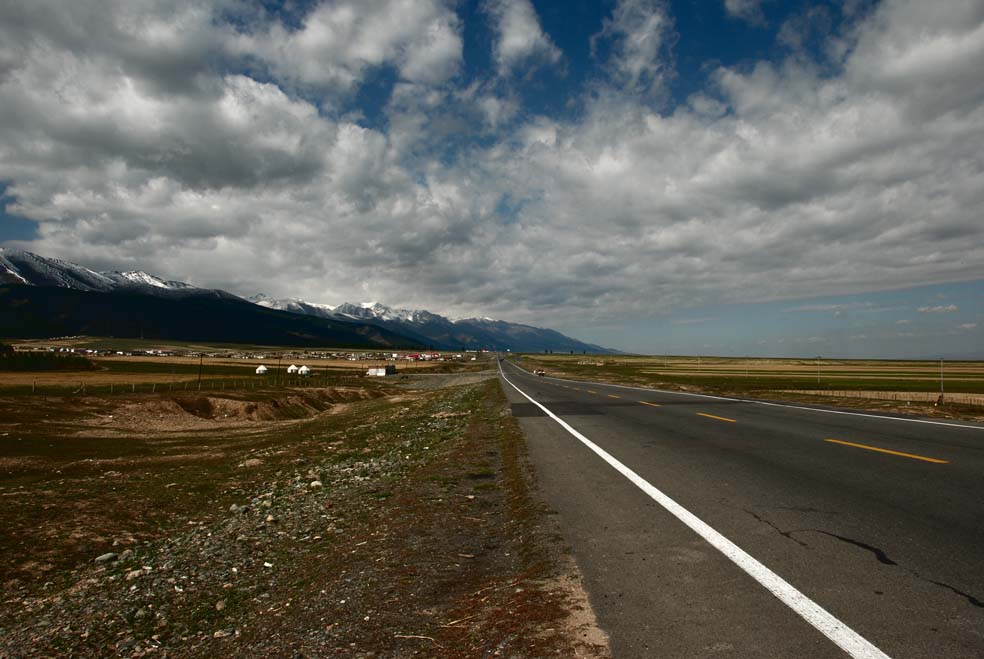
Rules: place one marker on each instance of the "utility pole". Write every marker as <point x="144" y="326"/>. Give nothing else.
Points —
<point x="201" y="356"/>
<point x="941" y="379"/>
<point x="818" y="371"/>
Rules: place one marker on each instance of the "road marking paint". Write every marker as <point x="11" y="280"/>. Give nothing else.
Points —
<point x="890" y="452"/>
<point x="719" y="418"/>
<point x="768" y="404"/>
<point x="613" y="396"/>
<point x="592" y="392"/>
<point x="642" y="402"/>
<point x="843" y="636"/>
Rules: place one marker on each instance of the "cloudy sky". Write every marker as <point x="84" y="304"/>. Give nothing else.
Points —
<point x="720" y="176"/>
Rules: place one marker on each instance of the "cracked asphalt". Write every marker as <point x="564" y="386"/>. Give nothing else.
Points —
<point x="883" y="528"/>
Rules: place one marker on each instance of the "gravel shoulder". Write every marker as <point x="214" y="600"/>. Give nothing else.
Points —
<point x="400" y="525"/>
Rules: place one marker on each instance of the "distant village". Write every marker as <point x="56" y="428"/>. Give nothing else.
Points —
<point x="269" y="356"/>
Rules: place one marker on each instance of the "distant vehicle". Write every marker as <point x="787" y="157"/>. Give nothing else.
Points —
<point x="539" y="372"/>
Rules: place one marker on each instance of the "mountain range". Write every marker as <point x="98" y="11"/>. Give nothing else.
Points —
<point x="45" y="297"/>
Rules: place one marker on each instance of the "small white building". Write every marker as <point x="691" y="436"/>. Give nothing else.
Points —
<point x="382" y="371"/>
<point x="292" y="369"/>
<point x="261" y="370"/>
<point x="304" y="370"/>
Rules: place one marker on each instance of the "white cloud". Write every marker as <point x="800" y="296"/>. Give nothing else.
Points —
<point x="640" y="34"/>
<point x="747" y="10"/>
<point x="520" y="40"/>
<point x="968" y="326"/>
<point x="783" y="180"/>
<point x="340" y="41"/>
<point x="949" y="308"/>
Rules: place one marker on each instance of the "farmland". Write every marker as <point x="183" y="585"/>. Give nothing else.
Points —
<point x="876" y="384"/>
<point x="134" y="366"/>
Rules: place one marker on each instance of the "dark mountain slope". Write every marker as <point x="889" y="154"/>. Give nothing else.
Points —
<point x="47" y="311"/>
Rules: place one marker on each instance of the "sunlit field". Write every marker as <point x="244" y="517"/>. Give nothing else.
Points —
<point x="962" y="381"/>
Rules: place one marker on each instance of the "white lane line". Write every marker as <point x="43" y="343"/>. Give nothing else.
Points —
<point x="762" y="402"/>
<point x="843" y="636"/>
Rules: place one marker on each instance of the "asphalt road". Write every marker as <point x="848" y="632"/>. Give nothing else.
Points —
<point x="877" y="521"/>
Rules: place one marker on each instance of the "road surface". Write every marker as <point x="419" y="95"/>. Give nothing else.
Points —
<point x="853" y="534"/>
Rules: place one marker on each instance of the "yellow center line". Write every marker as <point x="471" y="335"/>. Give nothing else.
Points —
<point x="719" y="418"/>
<point x="890" y="452"/>
<point x="592" y="392"/>
<point x="613" y="396"/>
<point x="642" y="402"/>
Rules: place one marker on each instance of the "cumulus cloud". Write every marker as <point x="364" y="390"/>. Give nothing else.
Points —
<point x="339" y="41"/>
<point x="228" y="156"/>
<point x="520" y="40"/>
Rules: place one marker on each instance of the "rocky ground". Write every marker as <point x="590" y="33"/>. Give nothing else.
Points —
<point x="390" y="525"/>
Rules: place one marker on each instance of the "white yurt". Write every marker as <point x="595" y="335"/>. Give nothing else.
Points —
<point x="304" y="370"/>
<point x="291" y="369"/>
<point x="261" y="370"/>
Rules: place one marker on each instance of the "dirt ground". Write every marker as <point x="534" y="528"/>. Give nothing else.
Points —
<point x="346" y="522"/>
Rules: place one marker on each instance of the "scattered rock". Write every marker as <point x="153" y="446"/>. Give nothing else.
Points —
<point x="220" y="605"/>
<point x="252" y="462"/>
<point x="106" y="558"/>
<point x="315" y="485"/>
<point x="134" y="574"/>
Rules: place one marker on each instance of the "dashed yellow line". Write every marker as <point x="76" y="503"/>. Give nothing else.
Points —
<point x="592" y="392"/>
<point x="642" y="402"/>
<point x="719" y="418"/>
<point x="613" y="396"/>
<point x="890" y="452"/>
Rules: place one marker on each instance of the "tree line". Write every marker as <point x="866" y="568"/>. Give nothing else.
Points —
<point x="12" y="360"/>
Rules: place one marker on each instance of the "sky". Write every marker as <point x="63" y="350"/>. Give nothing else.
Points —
<point x="734" y="177"/>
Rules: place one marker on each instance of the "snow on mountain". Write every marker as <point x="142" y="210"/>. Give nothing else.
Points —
<point x="146" y="279"/>
<point x="37" y="270"/>
<point x="438" y="331"/>
<point x="20" y="267"/>
<point x="294" y="305"/>
<point x="416" y="325"/>
<point x="377" y="311"/>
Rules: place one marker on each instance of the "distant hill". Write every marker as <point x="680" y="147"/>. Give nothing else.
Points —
<point x="440" y="332"/>
<point x="132" y="305"/>
<point x="49" y="311"/>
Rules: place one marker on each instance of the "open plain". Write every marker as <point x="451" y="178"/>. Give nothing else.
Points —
<point x="380" y="517"/>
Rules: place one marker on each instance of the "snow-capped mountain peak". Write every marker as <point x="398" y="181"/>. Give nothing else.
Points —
<point x="146" y="279"/>
<point x="29" y="268"/>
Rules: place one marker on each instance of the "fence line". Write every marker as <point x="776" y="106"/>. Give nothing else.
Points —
<point x="914" y="396"/>
<point x="82" y="388"/>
